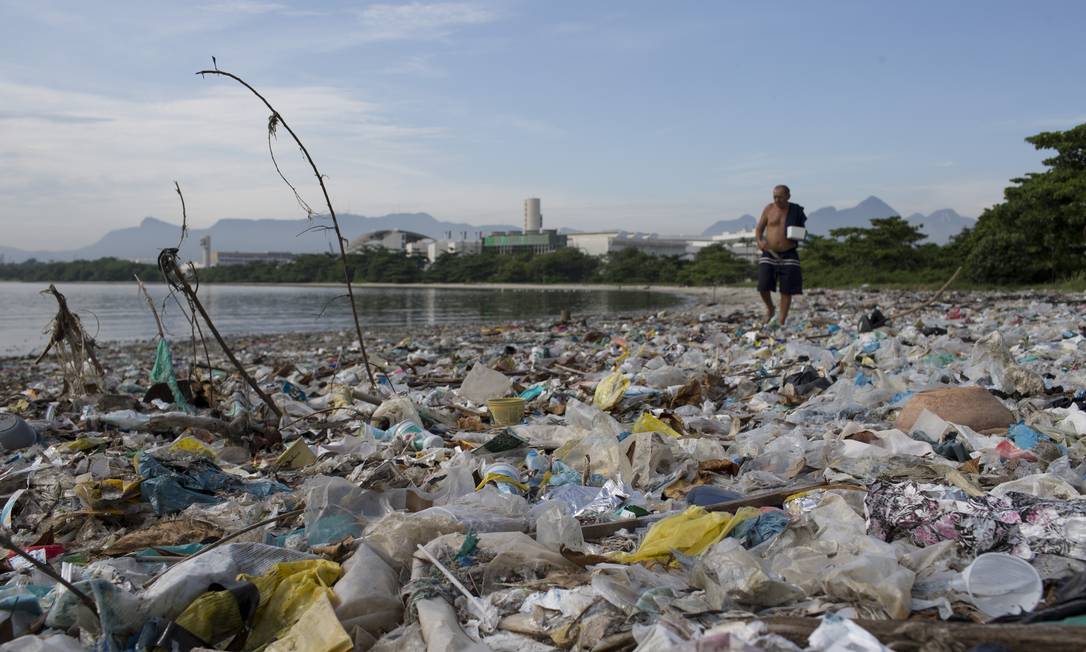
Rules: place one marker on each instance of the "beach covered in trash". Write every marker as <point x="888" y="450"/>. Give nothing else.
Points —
<point x="887" y="472"/>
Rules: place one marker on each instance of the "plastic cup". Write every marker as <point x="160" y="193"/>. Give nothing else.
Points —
<point x="506" y="411"/>
<point x="1000" y="584"/>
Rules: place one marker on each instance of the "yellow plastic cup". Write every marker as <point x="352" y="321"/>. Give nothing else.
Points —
<point x="506" y="411"/>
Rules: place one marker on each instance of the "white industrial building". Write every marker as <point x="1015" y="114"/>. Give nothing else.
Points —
<point x="741" y="243"/>
<point x="603" y="243"/>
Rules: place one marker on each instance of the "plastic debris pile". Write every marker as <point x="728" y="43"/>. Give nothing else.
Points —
<point x="681" y="480"/>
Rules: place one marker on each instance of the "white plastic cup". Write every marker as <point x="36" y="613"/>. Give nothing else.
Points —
<point x="1000" y="584"/>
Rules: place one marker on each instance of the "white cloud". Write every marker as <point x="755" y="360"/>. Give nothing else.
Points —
<point x="417" y="20"/>
<point x="83" y="163"/>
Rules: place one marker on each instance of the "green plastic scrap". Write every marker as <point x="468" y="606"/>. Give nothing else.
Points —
<point x="162" y="372"/>
<point x="467" y="549"/>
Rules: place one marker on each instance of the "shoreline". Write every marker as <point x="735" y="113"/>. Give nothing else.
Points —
<point x="688" y="299"/>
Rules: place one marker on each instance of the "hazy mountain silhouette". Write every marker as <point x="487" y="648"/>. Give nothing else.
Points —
<point x="940" y="226"/>
<point x="143" y="242"/>
<point x="744" y="223"/>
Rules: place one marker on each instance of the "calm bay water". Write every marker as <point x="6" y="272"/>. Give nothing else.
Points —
<point x="117" y="312"/>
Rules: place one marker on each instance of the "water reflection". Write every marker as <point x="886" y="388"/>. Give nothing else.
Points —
<point x="116" y="311"/>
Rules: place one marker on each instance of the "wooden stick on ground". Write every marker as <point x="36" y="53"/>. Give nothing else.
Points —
<point x="931" y="300"/>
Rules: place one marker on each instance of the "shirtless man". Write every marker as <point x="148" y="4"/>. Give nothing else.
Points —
<point x="779" y="262"/>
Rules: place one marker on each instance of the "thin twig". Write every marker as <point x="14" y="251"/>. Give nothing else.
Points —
<point x="151" y="305"/>
<point x="184" y="215"/>
<point x="930" y="300"/>
<point x="277" y="119"/>
<point x="48" y="570"/>
<point x="230" y="537"/>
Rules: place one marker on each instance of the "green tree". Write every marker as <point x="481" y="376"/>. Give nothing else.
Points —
<point x="714" y="265"/>
<point x="1037" y="233"/>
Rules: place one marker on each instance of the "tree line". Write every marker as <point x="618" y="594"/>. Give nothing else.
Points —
<point x="712" y="265"/>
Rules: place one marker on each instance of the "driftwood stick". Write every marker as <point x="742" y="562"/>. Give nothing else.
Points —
<point x="275" y="120"/>
<point x="48" y="570"/>
<point x="931" y="300"/>
<point x="151" y="305"/>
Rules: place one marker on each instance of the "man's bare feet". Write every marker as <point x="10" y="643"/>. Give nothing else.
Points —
<point x="769" y="312"/>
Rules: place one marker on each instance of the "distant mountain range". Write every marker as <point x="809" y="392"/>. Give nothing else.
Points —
<point x="939" y="226"/>
<point x="143" y="242"/>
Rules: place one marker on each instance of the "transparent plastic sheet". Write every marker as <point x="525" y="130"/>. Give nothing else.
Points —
<point x="653" y="457"/>
<point x="601" y="453"/>
<point x="368" y="594"/>
<point x="623" y="585"/>
<point x="337" y="509"/>
<point x="505" y="557"/>
<point x="838" y="634"/>
<point x="729" y="573"/>
<point x="871" y="578"/>
<point x="43" y="643"/>
<point x="483" y="383"/>
<point x="590" y="420"/>
<point x="556" y="530"/>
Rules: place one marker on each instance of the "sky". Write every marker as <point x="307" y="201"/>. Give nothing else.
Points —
<point x="640" y="115"/>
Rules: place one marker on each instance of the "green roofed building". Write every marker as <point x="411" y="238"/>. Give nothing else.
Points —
<point x="513" y="242"/>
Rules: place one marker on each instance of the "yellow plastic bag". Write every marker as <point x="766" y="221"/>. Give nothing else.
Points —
<point x="286" y="593"/>
<point x="318" y="630"/>
<point x="212" y="617"/>
<point x="610" y="390"/>
<point x="648" y="423"/>
<point x="192" y="446"/>
<point x="691" y="533"/>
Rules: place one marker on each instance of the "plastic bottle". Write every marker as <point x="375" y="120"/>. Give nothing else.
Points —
<point x="89" y="417"/>
<point x="536" y="463"/>
<point x="425" y="440"/>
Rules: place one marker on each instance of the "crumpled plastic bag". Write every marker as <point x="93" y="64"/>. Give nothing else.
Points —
<point x="483" y="383"/>
<point x="610" y="390"/>
<point x="872" y="578"/>
<point x="286" y="592"/>
<point x="186" y="580"/>
<point x="556" y="529"/>
<point x="838" y="634"/>
<point x="690" y="532"/>
<point x="649" y="423"/>
<point x="336" y="509"/>
<point x="368" y="594"/>
<point x="162" y="372"/>
<point x="316" y="630"/>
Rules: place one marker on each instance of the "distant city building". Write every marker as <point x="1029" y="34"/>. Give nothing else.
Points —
<point x="246" y="257"/>
<point x="533" y="217"/>
<point x="205" y="244"/>
<point x="437" y="248"/>
<point x="740" y="243"/>
<point x="604" y="243"/>
<point x="390" y="239"/>
<point x="512" y="242"/>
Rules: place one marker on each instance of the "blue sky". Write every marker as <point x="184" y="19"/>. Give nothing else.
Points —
<point x="653" y="116"/>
